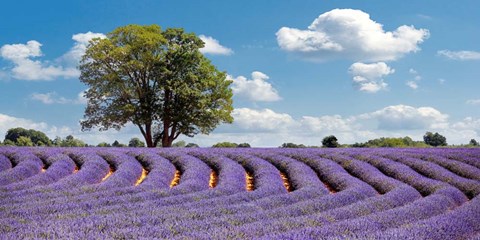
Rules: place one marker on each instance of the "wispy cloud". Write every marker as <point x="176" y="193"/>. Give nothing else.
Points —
<point x="473" y="101"/>
<point x="53" y="98"/>
<point x="460" y="55"/>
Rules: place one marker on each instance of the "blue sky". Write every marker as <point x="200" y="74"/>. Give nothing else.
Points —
<point x="301" y="71"/>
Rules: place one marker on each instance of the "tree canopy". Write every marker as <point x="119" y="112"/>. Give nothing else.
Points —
<point x="136" y="142"/>
<point x="434" y="139"/>
<point x="330" y="142"/>
<point x="157" y="80"/>
<point x="37" y="138"/>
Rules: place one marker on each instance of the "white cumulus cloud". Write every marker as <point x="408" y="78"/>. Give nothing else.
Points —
<point x="74" y="55"/>
<point x="213" y="46"/>
<point x="256" y="89"/>
<point x="408" y="118"/>
<point x="350" y="34"/>
<point x="460" y="55"/>
<point x="262" y="120"/>
<point x="26" y="66"/>
<point x="369" y="77"/>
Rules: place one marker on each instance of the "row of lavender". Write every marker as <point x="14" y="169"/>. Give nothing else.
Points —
<point x="345" y="193"/>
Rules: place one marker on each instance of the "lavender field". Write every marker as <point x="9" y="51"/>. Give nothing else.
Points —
<point x="181" y="193"/>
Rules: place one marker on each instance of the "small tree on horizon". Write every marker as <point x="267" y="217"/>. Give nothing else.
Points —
<point x="330" y="142"/>
<point x="136" y="142"/>
<point x="192" y="145"/>
<point x="434" y="139"/>
<point x="243" y="145"/>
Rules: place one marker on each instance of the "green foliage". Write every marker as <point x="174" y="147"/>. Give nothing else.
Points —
<point x="8" y="142"/>
<point x="136" y="142"/>
<point x="225" y="145"/>
<point x="243" y="145"/>
<point x="473" y="143"/>
<point x="330" y="142"/>
<point x="158" y="80"/>
<point x="104" y="144"/>
<point x="24" y="141"/>
<point x="391" y="142"/>
<point x="118" y="144"/>
<point x="192" y="145"/>
<point x="434" y="140"/>
<point x="179" y="144"/>
<point x="70" y="141"/>
<point x="292" y="145"/>
<point x="37" y="138"/>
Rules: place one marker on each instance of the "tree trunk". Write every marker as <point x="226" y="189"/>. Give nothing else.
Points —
<point x="148" y="136"/>
<point x="166" y="142"/>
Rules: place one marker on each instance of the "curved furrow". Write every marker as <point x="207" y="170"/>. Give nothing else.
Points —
<point x="265" y="176"/>
<point x="270" y="211"/>
<point x="119" y="196"/>
<point x="471" y="158"/>
<point x="396" y="194"/>
<point x="337" y="193"/>
<point x="424" y="185"/>
<point x="459" y="168"/>
<point x="89" y="197"/>
<point x="430" y="206"/>
<point x="222" y="201"/>
<point x="93" y="169"/>
<point x="470" y="188"/>
<point x="60" y="166"/>
<point x="25" y="165"/>
<point x="195" y="174"/>
<point x="229" y="172"/>
<point x="127" y="171"/>
<point x="159" y="170"/>
<point x="5" y="163"/>
<point x="461" y="223"/>
<point x="299" y="174"/>
<point x="147" y="211"/>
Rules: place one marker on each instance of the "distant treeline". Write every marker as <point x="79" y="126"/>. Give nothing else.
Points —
<point x="31" y="138"/>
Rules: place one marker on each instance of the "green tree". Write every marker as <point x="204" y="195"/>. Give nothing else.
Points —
<point x="330" y="142"/>
<point x="243" y="145"/>
<point x="104" y="144"/>
<point x="434" y="139"/>
<point x="179" y="144"/>
<point x="473" y="142"/>
<point x="158" y="80"/>
<point x="37" y="138"/>
<point x="192" y="145"/>
<point x="292" y="145"/>
<point x="118" y="144"/>
<point x="8" y="142"/>
<point x="24" y="141"/>
<point x="70" y="141"/>
<point x="136" y="142"/>
<point x="225" y="145"/>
